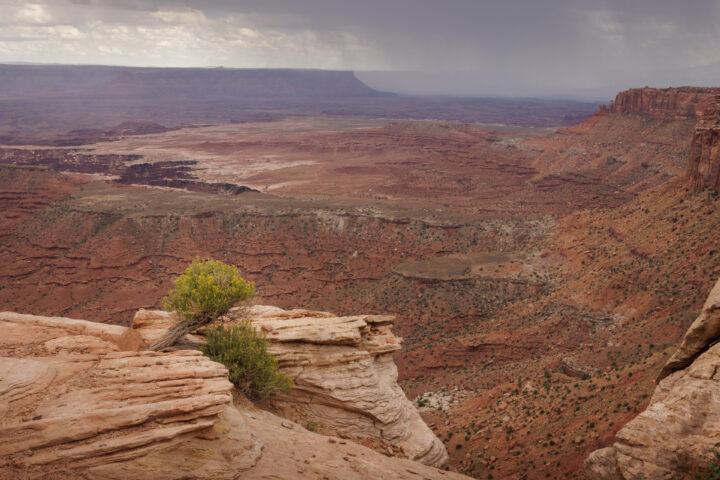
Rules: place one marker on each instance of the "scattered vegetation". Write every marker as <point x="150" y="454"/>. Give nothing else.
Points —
<point x="243" y="350"/>
<point x="714" y="465"/>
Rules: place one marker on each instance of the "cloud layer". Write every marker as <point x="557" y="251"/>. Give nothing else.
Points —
<point x="465" y="46"/>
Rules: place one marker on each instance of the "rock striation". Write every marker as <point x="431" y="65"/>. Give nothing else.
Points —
<point x="704" y="164"/>
<point x="673" y="437"/>
<point x="667" y="103"/>
<point x="345" y="380"/>
<point x="79" y="400"/>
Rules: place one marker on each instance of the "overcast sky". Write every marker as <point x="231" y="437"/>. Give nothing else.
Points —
<point x="462" y="46"/>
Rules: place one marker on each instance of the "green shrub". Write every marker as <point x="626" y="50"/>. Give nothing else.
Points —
<point x="243" y="350"/>
<point x="207" y="290"/>
<point x="714" y="465"/>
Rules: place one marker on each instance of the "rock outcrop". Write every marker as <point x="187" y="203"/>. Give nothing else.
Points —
<point x="668" y="103"/>
<point x="704" y="164"/>
<point x="79" y="400"/>
<point x="345" y="380"/>
<point x="673" y="438"/>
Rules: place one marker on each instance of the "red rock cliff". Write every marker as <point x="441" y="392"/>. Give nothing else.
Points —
<point x="676" y="103"/>
<point x="704" y="163"/>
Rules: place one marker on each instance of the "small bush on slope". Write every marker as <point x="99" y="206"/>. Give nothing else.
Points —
<point x="714" y="465"/>
<point x="243" y="350"/>
<point x="206" y="290"/>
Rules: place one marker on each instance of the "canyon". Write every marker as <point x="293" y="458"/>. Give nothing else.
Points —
<point x="541" y="278"/>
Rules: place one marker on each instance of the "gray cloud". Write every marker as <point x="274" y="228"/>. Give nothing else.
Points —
<point x="464" y="46"/>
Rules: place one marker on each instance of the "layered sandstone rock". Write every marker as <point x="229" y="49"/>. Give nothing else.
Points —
<point x="704" y="164"/>
<point x="78" y="400"/>
<point x="671" y="103"/>
<point x="673" y="437"/>
<point x="345" y="380"/>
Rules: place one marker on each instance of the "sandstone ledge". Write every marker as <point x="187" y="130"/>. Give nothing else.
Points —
<point x="77" y="401"/>
<point x="345" y="380"/>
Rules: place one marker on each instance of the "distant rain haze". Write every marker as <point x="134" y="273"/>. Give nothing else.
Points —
<point x="560" y="48"/>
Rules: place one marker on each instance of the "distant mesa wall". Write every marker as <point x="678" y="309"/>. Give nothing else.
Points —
<point x="682" y="103"/>
<point x="704" y="163"/>
<point x="51" y="81"/>
<point x="672" y="103"/>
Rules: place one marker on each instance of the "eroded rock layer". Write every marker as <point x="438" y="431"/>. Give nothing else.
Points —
<point x="78" y="400"/>
<point x="345" y="380"/>
<point x="674" y="437"/>
<point x="704" y="162"/>
<point x="672" y="103"/>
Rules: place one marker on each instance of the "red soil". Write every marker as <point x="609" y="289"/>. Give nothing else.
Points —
<point x="609" y="256"/>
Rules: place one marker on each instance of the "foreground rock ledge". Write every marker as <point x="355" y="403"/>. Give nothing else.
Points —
<point x="345" y="380"/>
<point x="673" y="437"/>
<point x="78" y="400"/>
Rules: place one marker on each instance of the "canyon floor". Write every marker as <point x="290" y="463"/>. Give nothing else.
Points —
<point x="540" y="277"/>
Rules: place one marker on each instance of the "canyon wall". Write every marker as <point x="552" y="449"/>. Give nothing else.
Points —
<point x="671" y="103"/>
<point x="704" y="163"/>
<point x="79" y="400"/>
<point x="675" y="436"/>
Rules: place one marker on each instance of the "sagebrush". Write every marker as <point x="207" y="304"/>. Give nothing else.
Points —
<point x="243" y="350"/>
<point x="207" y="290"/>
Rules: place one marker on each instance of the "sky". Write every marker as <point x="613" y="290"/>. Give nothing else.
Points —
<point x="458" y="47"/>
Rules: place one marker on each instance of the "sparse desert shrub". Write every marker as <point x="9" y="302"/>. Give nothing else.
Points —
<point x="714" y="465"/>
<point x="243" y="350"/>
<point x="312" y="426"/>
<point x="207" y="290"/>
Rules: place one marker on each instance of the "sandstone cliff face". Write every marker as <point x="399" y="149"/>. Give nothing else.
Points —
<point x="671" y="103"/>
<point x="78" y="400"/>
<point x="345" y="380"/>
<point x="704" y="164"/>
<point x="673" y="438"/>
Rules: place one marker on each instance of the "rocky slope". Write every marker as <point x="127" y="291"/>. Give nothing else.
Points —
<point x="345" y="380"/>
<point x="668" y="103"/>
<point x="704" y="163"/>
<point x="674" y="437"/>
<point x="78" y="400"/>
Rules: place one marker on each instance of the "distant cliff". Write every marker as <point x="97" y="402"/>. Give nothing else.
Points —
<point x="197" y="83"/>
<point x="704" y="163"/>
<point x="673" y="103"/>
